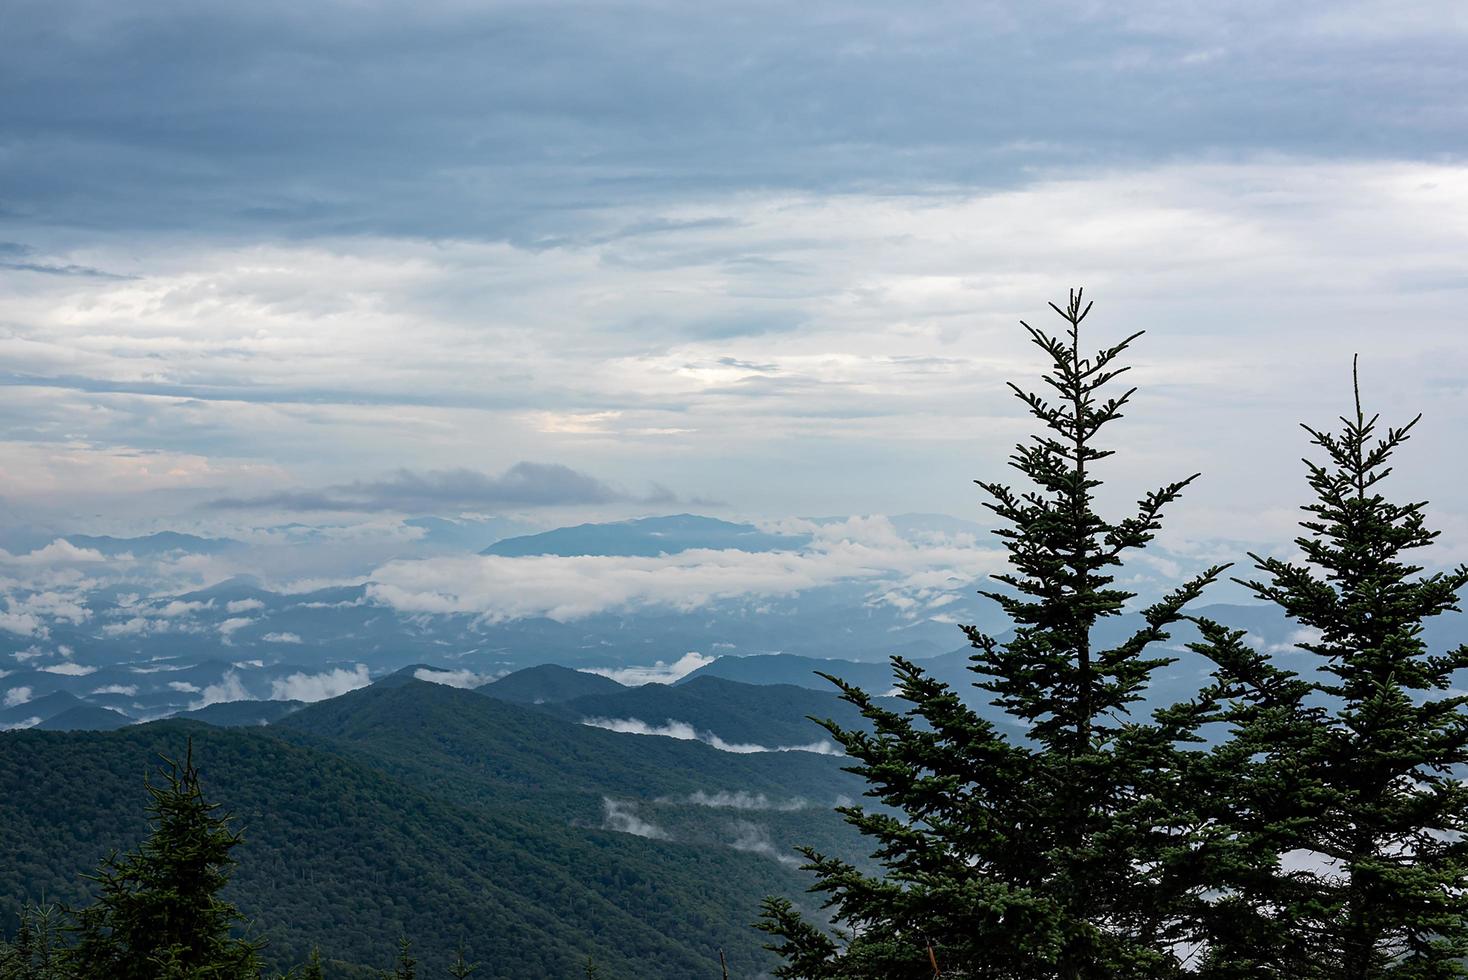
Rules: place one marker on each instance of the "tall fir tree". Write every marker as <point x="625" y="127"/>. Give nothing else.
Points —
<point x="1337" y="816"/>
<point x="158" y="914"/>
<point x="1034" y="849"/>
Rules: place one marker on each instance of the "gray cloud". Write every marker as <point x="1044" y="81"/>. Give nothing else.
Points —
<point x="523" y="485"/>
<point x="503" y="120"/>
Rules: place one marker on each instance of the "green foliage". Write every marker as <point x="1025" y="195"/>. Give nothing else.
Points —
<point x="36" y="953"/>
<point x="461" y="968"/>
<point x="1026" y="856"/>
<point x="406" y="967"/>
<point x="349" y="849"/>
<point x="1348" y="767"/>
<point x="158" y="913"/>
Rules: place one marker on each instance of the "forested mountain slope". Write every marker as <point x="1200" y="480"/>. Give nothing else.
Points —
<point x="445" y="815"/>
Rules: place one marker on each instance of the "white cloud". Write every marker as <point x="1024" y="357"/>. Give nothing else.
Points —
<point x="569" y="588"/>
<point x="755" y="839"/>
<point x="619" y="816"/>
<point x="136" y="626"/>
<point x="60" y="551"/>
<point x="15" y="696"/>
<point x="68" y="669"/>
<point x="127" y="690"/>
<point x="744" y="800"/>
<point x="685" y="732"/>
<point x="244" y="605"/>
<point x="453" y="678"/>
<point x="31" y="722"/>
<point x="281" y="638"/>
<point x="227" y="688"/>
<point x="180" y="607"/>
<point x="228" y="628"/>
<point x="23" y="623"/>
<point x="897" y="329"/>
<point x="183" y="687"/>
<point x="659" y="673"/>
<point x="318" y="687"/>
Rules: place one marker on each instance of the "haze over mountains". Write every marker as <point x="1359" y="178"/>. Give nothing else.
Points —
<point x="591" y="740"/>
<point x="105" y="623"/>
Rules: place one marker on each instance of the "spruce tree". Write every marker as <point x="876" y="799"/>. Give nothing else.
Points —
<point x="1037" y="849"/>
<point x="1338" y="816"/>
<point x="406" y="967"/>
<point x="36" y="951"/>
<point x="314" y="969"/>
<point x="158" y="913"/>
<point x="461" y="968"/>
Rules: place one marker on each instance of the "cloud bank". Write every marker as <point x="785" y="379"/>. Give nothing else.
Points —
<point x="569" y="588"/>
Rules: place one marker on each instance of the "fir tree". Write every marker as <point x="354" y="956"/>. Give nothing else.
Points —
<point x="36" y="952"/>
<point x="314" y="970"/>
<point x="1037" y="855"/>
<point x="406" y="967"/>
<point x="1337" y="844"/>
<point x="461" y="968"/>
<point x="159" y="914"/>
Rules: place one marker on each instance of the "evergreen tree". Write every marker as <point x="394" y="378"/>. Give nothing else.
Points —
<point x="1339" y="818"/>
<point x="314" y="970"/>
<point x="406" y="967"/>
<point x="159" y="914"/>
<point x="1038" y="855"/>
<point x="35" y="953"/>
<point x="461" y="968"/>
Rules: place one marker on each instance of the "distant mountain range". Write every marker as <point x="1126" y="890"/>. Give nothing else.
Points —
<point x="647" y="537"/>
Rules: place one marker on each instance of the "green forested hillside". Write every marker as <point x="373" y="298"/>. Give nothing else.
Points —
<point x="446" y="816"/>
<point x="548" y="683"/>
<point x="462" y="744"/>
<point x="770" y="715"/>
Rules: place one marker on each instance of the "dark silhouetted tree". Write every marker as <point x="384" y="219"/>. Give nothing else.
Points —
<point x="1335" y="841"/>
<point x="158" y="913"/>
<point x="1036" y="849"/>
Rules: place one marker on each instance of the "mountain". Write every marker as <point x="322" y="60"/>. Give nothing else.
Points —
<point x="41" y="708"/>
<point x="85" y="718"/>
<point x="343" y="855"/>
<point x="549" y="683"/>
<point x="481" y="749"/>
<point x="772" y="716"/>
<point x="785" y="668"/>
<point x="153" y="545"/>
<point x="647" y="537"/>
<point x="239" y="714"/>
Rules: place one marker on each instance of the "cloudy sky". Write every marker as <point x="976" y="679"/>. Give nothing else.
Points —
<point x="277" y="261"/>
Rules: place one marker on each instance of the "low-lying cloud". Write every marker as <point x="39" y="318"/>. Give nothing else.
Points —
<point x="466" y="679"/>
<point x="685" y="732"/>
<point x="619" y="816"/>
<point x="661" y="672"/>
<point x="744" y="800"/>
<point x="319" y="687"/>
<point x="568" y="588"/>
<point x="753" y="838"/>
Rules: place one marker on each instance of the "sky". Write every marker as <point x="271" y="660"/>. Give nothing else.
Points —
<point x="276" y="262"/>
